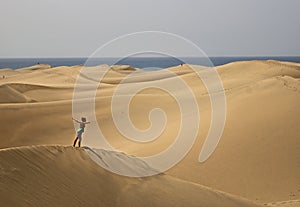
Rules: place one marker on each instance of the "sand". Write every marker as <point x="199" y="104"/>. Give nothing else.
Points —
<point x="256" y="161"/>
<point x="64" y="176"/>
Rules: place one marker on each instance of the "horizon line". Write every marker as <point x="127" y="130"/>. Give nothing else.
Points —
<point x="213" y="56"/>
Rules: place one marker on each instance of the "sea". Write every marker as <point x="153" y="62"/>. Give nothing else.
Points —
<point x="146" y="63"/>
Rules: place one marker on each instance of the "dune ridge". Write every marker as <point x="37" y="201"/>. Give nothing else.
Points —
<point x="44" y="176"/>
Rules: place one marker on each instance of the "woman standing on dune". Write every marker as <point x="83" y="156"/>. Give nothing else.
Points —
<point x="80" y="131"/>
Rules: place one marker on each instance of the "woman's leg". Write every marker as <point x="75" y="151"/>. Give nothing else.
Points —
<point x="75" y="141"/>
<point x="79" y="140"/>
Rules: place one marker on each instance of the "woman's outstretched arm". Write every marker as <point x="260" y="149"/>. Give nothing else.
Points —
<point x="76" y="120"/>
<point x="81" y="122"/>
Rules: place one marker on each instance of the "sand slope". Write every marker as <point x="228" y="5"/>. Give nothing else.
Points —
<point x="11" y="95"/>
<point x="258" y="154"/>
<point x="64" y="176"/>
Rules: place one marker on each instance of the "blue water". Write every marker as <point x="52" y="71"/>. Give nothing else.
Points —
<point x="137" y="62"/>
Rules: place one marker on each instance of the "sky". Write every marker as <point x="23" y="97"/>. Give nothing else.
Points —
<point x="74" y="28"/>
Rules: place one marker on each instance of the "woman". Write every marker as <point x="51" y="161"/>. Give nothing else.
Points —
<point x="82" y="123"/>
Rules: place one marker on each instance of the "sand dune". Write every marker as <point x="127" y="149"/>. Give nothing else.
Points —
<point x="65" y="176"/>
<point x="8" y="72"/>
<point x="123" y="68"/>
<point x="38" y="67"/>
<point x="258" y="154"/>
<point x="11" y="95"/>
<point x="45" y="75"/>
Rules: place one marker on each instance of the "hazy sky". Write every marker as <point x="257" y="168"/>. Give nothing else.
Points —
<point x="73" y="28"/>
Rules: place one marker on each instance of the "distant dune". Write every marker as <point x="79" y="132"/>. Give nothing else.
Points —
<point x="256" y="160"/>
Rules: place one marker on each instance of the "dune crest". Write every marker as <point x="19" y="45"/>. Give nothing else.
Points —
<point x="120" y="163"/>
<point x="65" y="176"/>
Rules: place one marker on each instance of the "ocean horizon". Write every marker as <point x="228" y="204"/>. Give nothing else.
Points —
<point x="147" y="63"/>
